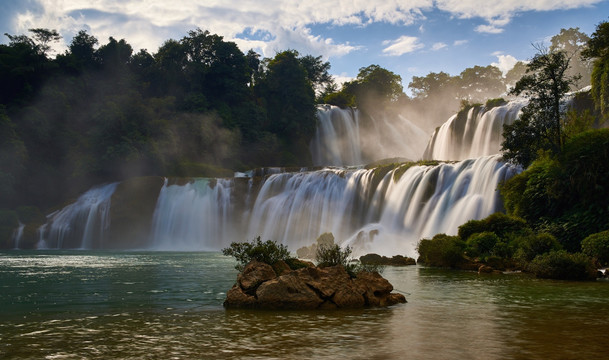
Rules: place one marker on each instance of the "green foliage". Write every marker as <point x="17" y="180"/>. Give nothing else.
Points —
<point x="491" y="103"/>
<point x="268" y="252"/>
<point x="482" y="244"/>
<point x="498" y="223"/>
<point x="442" y="250"/>
<point x="596" y="246"/>
<point x="563" y="266"/>
<point x="540" y="125"/>
<point x="533" y="245"/>
<point x="598" y="50"/>
<point x="333" y="255"/>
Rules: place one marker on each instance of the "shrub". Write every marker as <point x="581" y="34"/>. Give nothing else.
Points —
<point x="483" y="243"/>
<point x="442" y="250"/>
<point x="533" y="245"/>
<point x="332" y="255"/>
<point x="268" y="252"/>
<point x="498" y="223"/>
<point x="597" y="247"/>
<point x="491" y="103"/>
<point x="559" y="264"/>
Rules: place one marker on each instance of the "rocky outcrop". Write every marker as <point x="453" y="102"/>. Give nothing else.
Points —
<point x="397" y="260"/>
<point x="259" y="287"/>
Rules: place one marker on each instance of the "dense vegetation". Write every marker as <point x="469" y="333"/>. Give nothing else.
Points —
<point x="557" y="209"/>
<point x="198" y="106"/>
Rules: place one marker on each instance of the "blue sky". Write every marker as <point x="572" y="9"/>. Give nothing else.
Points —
<point x="408" y="37"/>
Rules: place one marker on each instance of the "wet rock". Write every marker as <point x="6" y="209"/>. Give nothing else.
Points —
<point x="258" y="286"/>
<point x="254" y="274"/>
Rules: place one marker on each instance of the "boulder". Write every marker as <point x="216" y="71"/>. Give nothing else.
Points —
<point x="258" y="286"/>
<point x="287" y="292"/>
<point x="254" y="274"/>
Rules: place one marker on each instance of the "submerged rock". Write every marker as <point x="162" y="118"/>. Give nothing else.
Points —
<point x="259" y="287"/>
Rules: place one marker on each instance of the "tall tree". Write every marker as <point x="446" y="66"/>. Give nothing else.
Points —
<point x="598" y="49"/>
<point x="573" y="42"/>
<point x="540" y="126"/>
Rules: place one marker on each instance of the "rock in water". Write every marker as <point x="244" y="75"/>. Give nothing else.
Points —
<point x="259" y="287"/>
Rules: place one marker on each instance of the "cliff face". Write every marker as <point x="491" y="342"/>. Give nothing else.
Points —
<point x="260" y="287"/>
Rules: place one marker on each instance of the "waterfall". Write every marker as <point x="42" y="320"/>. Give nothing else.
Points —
<point x="346" y="137"/>
<point x="473" y="134"/>
<point x="18" y="235"/>
<point x="193" y="216"/>
<point x="81" y="224"/>
<point x="295" y="208"/>
<point x="386" y="210"/>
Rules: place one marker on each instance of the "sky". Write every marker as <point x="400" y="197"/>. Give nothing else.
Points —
<point x="408" y="37"/>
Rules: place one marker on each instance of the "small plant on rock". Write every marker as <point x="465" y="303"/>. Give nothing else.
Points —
<point x="268" y="252"/>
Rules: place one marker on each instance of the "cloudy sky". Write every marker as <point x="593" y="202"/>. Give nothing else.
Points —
<point x="408" y="37"/>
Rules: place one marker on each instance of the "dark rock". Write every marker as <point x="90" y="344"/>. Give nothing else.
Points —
<point x="309" y="287"/>
<point x="254" y="274"/>
<point x="374" y="287"/>
<point x="485" y="269"/>
<point x="397" y="260"/>
<point x="287" y="292"/>
<point x="235" y="297"/>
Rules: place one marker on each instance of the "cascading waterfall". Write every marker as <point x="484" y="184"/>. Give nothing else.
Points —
<point x="81" y="224"/>
<point x="477" y="134"/>
<point x="296" y="208"/>
<point x="345" y="137"/>
<point x="18" y="235"/>
<point x="193" y="216"/>
<point x="372" y="212"/>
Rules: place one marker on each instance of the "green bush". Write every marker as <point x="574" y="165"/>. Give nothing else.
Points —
<point x="597" y="247"/>
<point x="481" y="244"/>
<point x="533" y="245"/>
<point x="268" y="252"/>
<point x="562" y="265"/>
<point x="491" y="103"/>
<point x="442" y="250"/>
<point x="498" y="223"/>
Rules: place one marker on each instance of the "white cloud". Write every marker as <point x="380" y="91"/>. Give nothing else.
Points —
<point x="438" y="46"/>
<point x="402" y="45"/>
<point x="460" y="42"/>
<point x="146" y="24"/>
<point x="505" y="63"/>
<point x="499" y="13"/>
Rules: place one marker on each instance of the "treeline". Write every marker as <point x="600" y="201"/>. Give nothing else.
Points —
<point x="197" y="107"/>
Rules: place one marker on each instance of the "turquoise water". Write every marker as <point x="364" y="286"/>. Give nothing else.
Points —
<point x="97" y="305"/>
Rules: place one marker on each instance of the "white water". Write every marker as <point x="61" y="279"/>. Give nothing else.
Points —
<point x="194" y="216"/>
<point x="345" y="137"/>
<point x="386" y="216"/>
<point x="82" y="222"/>
<point x="295" y="209"/>
<point x="479" y="135"/>
<point x="18" y="235"/>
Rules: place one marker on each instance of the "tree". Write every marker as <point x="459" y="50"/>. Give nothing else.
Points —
<point x="515" y="74"/>
<point x="44" y="37"/>
<point x="540" y="126"/>
<point x="598" y="49"/>
<point x="480" y="83"/>
<point x="317" y="72"/>
<point x="430" y="85"/>
<point x="573" y="42"/>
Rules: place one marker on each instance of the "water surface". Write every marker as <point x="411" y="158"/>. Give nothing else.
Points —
<point x="81" y="304"/>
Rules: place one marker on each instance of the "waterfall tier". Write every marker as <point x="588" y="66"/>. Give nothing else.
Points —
<point x="346" y="137"/>
<point x="384" y="210"/>
<point x="471" y="134"/>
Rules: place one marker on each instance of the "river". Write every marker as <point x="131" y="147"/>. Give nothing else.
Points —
<point x="168" y="305"/>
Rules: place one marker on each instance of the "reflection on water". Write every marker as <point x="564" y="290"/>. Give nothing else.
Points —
<point x="168" y="305"/>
